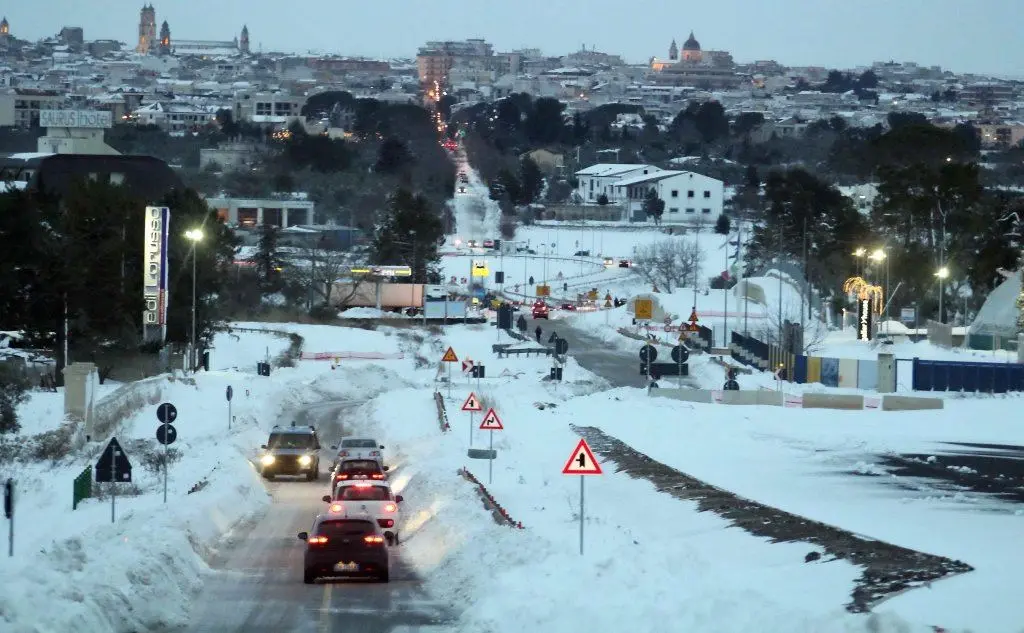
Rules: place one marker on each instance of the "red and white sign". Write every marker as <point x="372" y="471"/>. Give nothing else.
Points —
<point x="491" y="421"/>
<point x="467" y="365"/>
<point x="582" y="461"/>
<point x="793" y="401"/>
<point x="472" y="403"/>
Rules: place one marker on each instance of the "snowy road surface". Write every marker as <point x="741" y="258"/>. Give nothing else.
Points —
<point x="256" y="586"/>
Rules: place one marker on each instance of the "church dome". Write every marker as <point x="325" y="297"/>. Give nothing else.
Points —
<point x="691" y="43"/>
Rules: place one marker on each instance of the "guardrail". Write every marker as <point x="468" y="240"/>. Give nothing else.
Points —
<point x="500" y="514"/>
<point x="350" y="356"/>
<point x="442" y="413"/>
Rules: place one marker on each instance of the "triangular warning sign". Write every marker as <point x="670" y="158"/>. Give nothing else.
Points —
<point x="450" y="357"/>
<point x="472" y="403"/>
<point x="491" y="421"/>
<point x="693" y="316"/>
<point x="582" y="461"/>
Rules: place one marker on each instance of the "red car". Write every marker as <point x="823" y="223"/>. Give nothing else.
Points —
<point x="540" y="310"/>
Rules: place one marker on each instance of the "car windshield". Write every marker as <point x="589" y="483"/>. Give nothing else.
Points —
<point x="358" y="444"/>
<point x="344" y="528"/>
<point x="290" y="440"/>
<point x="363" y="493"/>
<point x="360" y="464"/>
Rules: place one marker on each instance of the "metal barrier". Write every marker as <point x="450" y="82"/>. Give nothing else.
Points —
<point x="939" y="375"/>
<point x="82" y="488"/>
<point x="442" y="413"/>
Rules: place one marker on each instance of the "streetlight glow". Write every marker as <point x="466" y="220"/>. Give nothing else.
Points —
<point x="194" y="235"/>
<point x="942" y="273"/>
<point x="859" y="252"/>
<point x="878" y="255"/>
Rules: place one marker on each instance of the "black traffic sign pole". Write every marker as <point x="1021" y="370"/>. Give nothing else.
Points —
<point x="166" y="413"/>
<point x="9" y="513"/>
<point x="230" y="393"/>
<point x="113" y="482"/>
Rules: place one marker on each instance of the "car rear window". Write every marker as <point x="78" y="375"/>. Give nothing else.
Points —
<point x="359" y="444"/>
<point x="360" y="464"/>
<point x="290" y="440"/>
<point x="344" y="528"/>
<point x="363" y="493"/>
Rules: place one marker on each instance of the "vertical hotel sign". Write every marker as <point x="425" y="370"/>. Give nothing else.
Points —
<point x="865" y="321"/>
<point x="154" y="284"/>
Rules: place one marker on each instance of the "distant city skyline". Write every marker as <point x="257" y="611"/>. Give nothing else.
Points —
<point x="829" y="33"/>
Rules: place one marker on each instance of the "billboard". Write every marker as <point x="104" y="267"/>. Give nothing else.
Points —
<point x="154" y="273"/>
<point x="83" y="119"/>
<point x="865" y="320"/>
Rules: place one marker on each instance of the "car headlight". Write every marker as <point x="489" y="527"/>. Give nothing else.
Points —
<point x="305" y="460"/>
<point x="267" y="460"/>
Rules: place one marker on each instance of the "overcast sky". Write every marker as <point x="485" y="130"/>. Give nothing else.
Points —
<point x="980" y="36"/>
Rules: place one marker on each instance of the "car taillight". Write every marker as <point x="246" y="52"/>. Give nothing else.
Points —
<point x="373" y="539"/>
<point x="378" y="476"/>
<point x="336" y="507"/>
<point x="318" y="540"/>
<point x="390" y="507"/>
<point x="342" y="476"/>
<point x="386" y="523"/>
<point x="362" y="484"/>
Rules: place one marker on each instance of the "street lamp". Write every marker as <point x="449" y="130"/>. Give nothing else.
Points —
<point x="195" y="236"/>
<point x="941" y="273"/>
<point x="859" y="253"/>
<point x="878" y="256"/>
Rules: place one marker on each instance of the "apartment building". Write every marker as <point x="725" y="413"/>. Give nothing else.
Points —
<point x="601" y="179"/>
<point x="283" y="212"/>
<point x="20" y="107"/>
<point x="688" y="196"/>
<point x="268" y="107"/>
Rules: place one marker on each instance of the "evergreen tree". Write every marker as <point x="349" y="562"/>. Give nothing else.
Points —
<point x="531" y="181"/>
<point x="268" y="260"/>
<point x="723" y="225"/>
<point x="654" y="206"/>
<point x="409" y="235"/>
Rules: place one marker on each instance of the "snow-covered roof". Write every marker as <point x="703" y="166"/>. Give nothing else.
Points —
<point x="612" y="169"/>
<point x="30" y="155"/>
<point x="655" y="177"/>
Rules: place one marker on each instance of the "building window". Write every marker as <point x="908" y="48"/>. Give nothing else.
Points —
<point x="116" y="179"/>
<point x="675" y="193"/>
<point x="705" y="210"/>
<point x="689" y="194"/>
<point x="707" y="194"/>
<point x="673" y="210"/>
<point x="690" y="209"/>
<point x="247" y="217"/>
<point x="272" y="217"/>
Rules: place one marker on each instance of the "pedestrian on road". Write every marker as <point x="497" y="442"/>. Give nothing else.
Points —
<point x="538" y="332"/>
<point x="565" y="287"/>
<point x="521" y="324"/>
<point x="531" y="280"/>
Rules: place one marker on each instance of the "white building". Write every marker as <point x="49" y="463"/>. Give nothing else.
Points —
<point x="688" y="197"/>
<point x="283" y="212"/>
<point x="601" y="179"/>
<point x="174" y="116"/>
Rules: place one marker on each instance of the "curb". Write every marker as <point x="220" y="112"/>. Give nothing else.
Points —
<point x="489" y="499"/>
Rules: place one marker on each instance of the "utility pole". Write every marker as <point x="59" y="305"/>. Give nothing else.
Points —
<point x="803" y="288"/>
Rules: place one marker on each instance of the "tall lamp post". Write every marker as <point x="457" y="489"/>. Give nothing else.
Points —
<point x="859" y="254"/>
<point x="878" y="256"/>
<point x="195" y="236"/>
<point x="942" y="273"/>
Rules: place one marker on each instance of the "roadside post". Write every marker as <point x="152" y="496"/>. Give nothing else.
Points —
<point x="166" y="433"/>
<point x="449" y="357"/>
<point x="113" y="467"/>
<point x="582" y="462"/>
<point x="492" y="423"/>
<point x="230" y="393"/>
<point x="472" y="404"/>
<point x="9" y="514"/>
<point x="648" y="354"/>
<point x="680" y="354"/>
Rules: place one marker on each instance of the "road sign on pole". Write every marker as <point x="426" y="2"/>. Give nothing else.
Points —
<point x="9" y="513"/>
<point x="491" y="421"/>
<point x="472" y="403"/>
<point x="166" y="434"/>
<point x="230" y="394"/>
<point x="449" y="356"/>
<point x="167" y="413"/>
<point x="582" y="462"/>
<point x="113" y="466"/>
<point x="467" y="365"/>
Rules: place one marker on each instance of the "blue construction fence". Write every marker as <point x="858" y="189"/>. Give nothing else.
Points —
<point x="927" y="375"/>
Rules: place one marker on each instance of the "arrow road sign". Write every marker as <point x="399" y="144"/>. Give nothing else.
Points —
<point x="168" y="413"/>
<point x="472" y="403"/>
<point x="491" y="421"/>
<point x="582" y="461"/>
<point x="467" y="365"/>
<point x="166" y="434"/>
<point x="449" y="356"/>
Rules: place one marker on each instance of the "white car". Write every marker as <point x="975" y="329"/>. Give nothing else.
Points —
<point x="359" y="448"/>
<point x="374" y="499"/>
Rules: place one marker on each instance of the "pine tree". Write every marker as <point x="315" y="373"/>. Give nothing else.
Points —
<point x="723" y="225"/>
<point x="268" y="261"/>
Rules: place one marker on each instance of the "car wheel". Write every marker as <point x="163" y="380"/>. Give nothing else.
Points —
<point x="268" y="476"/>
<point x="309" y="577"/>
<point x="384" y="576"/>
<point x="397" y="541"/>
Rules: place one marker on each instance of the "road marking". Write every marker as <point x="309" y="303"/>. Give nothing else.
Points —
<point x="325" y="610"/>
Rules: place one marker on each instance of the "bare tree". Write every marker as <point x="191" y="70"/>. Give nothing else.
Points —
<point x="319" y="270"/>
<point x="814" y="331"/>
<point x="669" y="264"/>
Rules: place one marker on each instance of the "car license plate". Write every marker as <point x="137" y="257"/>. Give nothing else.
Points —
<point x="346" y="567"/>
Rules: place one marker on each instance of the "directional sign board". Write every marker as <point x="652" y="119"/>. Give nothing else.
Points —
<point x="113" y="464"/>
<point x="449" y="356"/>
<point x="472" y="403"/>
<point x="582" y="461"/>
<point x="167" y="413"/>
<point x="467" y="365"/>
<point x="491" y="421"/>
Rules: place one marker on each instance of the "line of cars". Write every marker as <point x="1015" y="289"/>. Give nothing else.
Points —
<point x="352" y="536"/>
